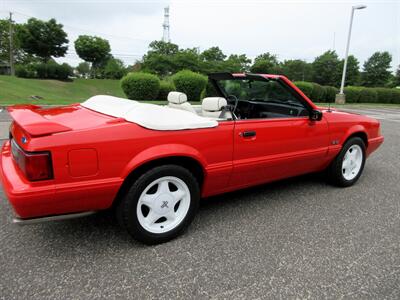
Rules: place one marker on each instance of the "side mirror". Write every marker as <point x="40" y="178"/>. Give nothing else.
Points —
<point x="315" y="115"/>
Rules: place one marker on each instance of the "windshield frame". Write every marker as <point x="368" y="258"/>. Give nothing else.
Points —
<point x="215" y="79"/>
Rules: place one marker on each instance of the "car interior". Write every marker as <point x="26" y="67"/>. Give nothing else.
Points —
<point x="244" y="99"/>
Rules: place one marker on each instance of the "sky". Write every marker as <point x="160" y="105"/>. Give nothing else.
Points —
<point x="291" y="29"/>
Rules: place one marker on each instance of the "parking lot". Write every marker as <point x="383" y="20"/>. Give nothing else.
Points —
<point x="298" y="238"/>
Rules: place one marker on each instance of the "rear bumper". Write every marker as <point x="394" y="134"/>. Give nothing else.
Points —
<point x="50" y="200"/>
<point x="28" y="199"/>
<point x="374" y="144"/>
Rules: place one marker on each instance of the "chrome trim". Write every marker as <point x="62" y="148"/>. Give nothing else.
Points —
<point x="19" y="221"/>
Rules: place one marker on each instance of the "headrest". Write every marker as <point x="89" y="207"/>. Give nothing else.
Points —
<point x="177" y="97"/>
<point x="213" y="103"/>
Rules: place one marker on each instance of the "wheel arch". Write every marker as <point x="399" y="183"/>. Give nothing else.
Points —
<point x="190" y="162"/>
<point x="358" y="133"/>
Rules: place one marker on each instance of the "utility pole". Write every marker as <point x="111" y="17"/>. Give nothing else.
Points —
<point x="166" y="37"/>
<point x="12" y="71"/>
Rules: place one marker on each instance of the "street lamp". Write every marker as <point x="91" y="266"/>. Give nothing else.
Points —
<point x="341" y="98"/>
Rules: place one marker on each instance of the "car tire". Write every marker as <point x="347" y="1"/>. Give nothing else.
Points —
<point x="348" y="165"/>
<point x="160" y="204"/>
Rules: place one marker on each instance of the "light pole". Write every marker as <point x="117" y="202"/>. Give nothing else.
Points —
<point x="341" y="98"/>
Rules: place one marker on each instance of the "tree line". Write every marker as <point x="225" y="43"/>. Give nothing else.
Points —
<point x="37" y="43"/>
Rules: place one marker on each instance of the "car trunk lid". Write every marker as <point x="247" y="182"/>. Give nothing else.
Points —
<point x="38" y="121"/>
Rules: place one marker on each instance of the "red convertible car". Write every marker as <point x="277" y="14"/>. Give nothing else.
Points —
<point x="153" y="164"/>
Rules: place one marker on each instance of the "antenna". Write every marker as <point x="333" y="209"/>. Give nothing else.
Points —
<point x="165" y="25"/>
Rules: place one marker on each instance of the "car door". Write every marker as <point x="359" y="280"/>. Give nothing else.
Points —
<point x="271" y="149"/>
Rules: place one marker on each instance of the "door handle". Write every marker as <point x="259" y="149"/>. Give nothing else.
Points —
<point x="247" y="134"/>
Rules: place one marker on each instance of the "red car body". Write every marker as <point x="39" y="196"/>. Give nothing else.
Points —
<point x="93" y="154"/>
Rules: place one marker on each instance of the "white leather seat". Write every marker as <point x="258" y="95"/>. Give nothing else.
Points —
<point x="179" y="101"/>
<point x="212" y="107"/>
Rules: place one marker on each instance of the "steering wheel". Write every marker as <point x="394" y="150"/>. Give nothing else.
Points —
<point x="236" y="101"/>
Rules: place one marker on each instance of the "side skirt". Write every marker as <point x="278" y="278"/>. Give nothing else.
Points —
<point x="20" y="221"/>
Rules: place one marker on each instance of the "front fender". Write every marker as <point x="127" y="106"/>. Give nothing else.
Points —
<point x="163" y="151"/>
<point x="352" y="130"/>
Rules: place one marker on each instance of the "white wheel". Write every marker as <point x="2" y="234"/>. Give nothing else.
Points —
<point x="352" y="162"/>
<point x="348" y="165"/>
<point x="163" y="204"/>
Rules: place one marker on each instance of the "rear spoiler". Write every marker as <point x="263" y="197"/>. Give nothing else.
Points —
<point x="34" y="123"/>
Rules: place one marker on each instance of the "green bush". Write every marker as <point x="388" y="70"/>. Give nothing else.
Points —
<point x="318" y="93"/>
<point x="49" y="70"/>
<point x="210" y="91"/>
<point x="24" y="71"/>
<point x="352" y="94"/>
<point x="330" y="93"/>
<point x="368" y="95"/>
<point x="140" y="86"/>
<point x="63" y="71"/>
<point x="165" y="88"/>
<point x="305" y="87"/>
<point x="384" y="95"/>
<point x="113" y="69"/>
<point x="395" y="96"/>
<point x="190" y="83"/>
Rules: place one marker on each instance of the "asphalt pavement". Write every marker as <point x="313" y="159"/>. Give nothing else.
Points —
<point x="298" y="238"/>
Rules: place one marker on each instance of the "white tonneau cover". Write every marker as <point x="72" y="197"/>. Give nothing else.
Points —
<point x="147" y="115"/>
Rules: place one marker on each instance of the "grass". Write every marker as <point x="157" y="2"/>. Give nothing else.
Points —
<point x="15" y="90"/>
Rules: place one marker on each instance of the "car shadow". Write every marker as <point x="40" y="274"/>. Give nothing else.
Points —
<point x="102" y="228"/>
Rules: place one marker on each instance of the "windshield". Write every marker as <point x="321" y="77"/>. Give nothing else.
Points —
<point x="258" y="90"/>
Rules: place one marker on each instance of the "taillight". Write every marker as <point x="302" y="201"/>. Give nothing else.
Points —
<point x="35" y="165"/>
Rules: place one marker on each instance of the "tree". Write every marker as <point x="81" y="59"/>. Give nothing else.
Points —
<point x="93" y="49"/>
<point x="160" y="58"/>
<point x="325" y="69"/>
<point x="212" y="54"/>
<point x="43" y="39"/>
<point x="114" y="69"/>
<point x="352" y="71"/>
<point x="297" y="70"/>
<point x="83" y="69"/>
<point x="376" y="69"/>
<point x="397" y="77"/>
<point x="163" y="48"/>
<point x="236" y="63"/>
<point x="265" y="63"/>
<point x="20" y="56"/>
<point x="187" y="59"/>
<point x="159" y="64"/>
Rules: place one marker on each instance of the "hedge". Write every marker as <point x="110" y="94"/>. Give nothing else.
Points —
<point x="49" y="70"/>
<point x="331" y="92"/>
<point x="318" y="93"/>
<point x="305" y="87"/>
<point x="354" y="94"/>
<point x="25" y="71"/>
<point x="368" y="95"/>
<point x="140" y="86"/>
<point x="395" y="96"/>
<point x="190" y="83"/>
<point x="384" y="95"/>
<point x="210" y="90"/>
<point x="165" y="88"/>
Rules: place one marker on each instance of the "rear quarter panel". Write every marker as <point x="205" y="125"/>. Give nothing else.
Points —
<point x="121" y="148"/>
